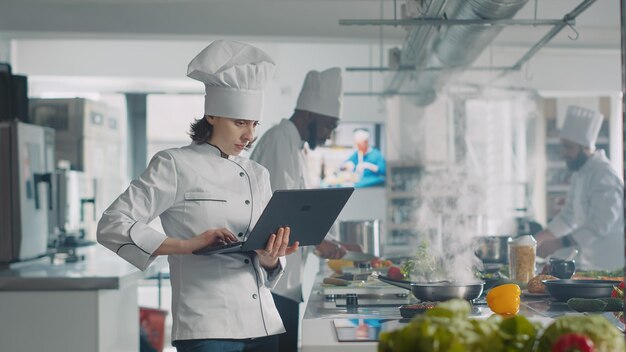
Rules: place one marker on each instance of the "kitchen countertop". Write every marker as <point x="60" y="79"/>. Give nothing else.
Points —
<point x="322" y="311"/>
<point x="100" y="270"/>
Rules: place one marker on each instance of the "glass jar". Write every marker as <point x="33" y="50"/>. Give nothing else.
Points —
<point x="522" y="255"/>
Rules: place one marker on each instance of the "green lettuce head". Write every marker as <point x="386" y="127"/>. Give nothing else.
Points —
<point x="604" y="335"/>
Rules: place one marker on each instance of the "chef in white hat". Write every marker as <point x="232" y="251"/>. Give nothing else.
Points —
<point x="282" y="150"/>
<point x="206" y="194"/>
<point x="592" y="218"/>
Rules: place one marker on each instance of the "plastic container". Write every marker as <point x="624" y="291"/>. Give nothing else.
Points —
<point x="522" y="255"/>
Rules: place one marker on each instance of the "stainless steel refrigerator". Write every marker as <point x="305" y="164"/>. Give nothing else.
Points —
<point x="26" y="190"/>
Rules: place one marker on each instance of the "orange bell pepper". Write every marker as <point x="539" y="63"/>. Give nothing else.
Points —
<point x="504" y="299"/>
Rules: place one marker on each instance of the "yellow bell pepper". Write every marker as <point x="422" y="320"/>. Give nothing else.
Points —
<point x="504" y="299"/>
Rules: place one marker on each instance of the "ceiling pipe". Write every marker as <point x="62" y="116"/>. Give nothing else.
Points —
<point x="416" y="45"/>
<point x="456" y="47"/>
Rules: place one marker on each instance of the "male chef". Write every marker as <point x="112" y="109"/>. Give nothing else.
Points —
<point x="282" y="151"/>
<point x="592" y="218"/>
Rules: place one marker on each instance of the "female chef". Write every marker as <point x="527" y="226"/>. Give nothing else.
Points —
<point x="205" y="194"/>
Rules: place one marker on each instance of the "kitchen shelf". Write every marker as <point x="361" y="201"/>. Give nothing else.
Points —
<point x="402" y="195"/>
<point x="402" y="226"/>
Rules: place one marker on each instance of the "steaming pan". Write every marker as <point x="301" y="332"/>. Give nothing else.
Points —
<point x="438" y="291"/>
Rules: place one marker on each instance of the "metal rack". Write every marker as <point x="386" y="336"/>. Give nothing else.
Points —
<point x="418" y="44"/>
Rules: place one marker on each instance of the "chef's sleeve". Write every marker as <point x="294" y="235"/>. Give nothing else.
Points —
<point x="381" y="163"/>
<point x="124" y="225"/>
<point x="605" y="207"/>
<point x="281" y="160"/>
<point x="271" y="277"/>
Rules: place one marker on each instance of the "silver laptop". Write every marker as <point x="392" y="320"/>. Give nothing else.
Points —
<point x="309" y="213"/>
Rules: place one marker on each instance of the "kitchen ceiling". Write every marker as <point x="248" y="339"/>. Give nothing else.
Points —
<point x="313" y="20"/>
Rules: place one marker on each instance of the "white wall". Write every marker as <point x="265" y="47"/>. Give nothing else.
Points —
<point x="556" y="69"/>
<point x="160" y="66"/>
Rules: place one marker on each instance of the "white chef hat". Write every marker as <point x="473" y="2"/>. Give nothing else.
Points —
<point x="322" y="93"/>
<point x="234" y="75"/>
<point x="581" y="126"/>
<point x="361" y="135"/>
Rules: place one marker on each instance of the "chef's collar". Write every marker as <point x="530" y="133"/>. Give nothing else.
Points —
<point x="598" y="154"/>
<point x="214" y="150"/>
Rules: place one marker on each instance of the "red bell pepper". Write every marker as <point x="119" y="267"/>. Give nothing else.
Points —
<point x="618" y="291"/>
<point x="573" y="343"/>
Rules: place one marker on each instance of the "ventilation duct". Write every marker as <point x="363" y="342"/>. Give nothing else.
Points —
<point x="453" y="47"/>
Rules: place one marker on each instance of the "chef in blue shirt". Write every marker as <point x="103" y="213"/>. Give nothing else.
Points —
<point x="367" y="161"/>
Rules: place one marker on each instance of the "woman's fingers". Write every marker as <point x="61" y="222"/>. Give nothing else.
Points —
<point x="292" y="248"/>
<point x="275" y="242"/>
<point x="228" y="236"/>
<point x="278" y="243"/>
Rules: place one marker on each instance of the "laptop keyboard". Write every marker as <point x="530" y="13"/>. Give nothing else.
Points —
<point x="227" y="245"/>
<point x="212" y="249"/>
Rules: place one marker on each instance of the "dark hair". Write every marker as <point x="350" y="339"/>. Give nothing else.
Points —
<point x="200" y="130"/>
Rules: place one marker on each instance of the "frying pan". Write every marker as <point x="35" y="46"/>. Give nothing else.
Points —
<point x="438" y="291"/>
<point x="562" y="290"/>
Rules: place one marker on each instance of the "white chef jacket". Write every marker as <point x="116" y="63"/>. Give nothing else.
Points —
<point x="194" y="189"/>
<point x="594" y="215"/>
<point x="280" y="151"/>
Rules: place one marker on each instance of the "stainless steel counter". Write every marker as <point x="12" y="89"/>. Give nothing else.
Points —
<point x="318" y="326"/>
<point x="101" y="270"/>
<point x="90" y="305"/>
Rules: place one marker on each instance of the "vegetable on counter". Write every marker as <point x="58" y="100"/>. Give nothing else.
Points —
<point x="448" y="327"/>
<point x="573" y="343"/>
<point x="612" y="304"/>
<point x="618" y="292"/>
<point x="604" y="335"/>
<point x="378" y="263"/>
<point x="599" y="274"/>
<point x="395" y="273"/>
<point x="336" y="281"/>
<point x="504" y="299"/>
<point x="337" y="265"/>
<point x="423" y="266"/>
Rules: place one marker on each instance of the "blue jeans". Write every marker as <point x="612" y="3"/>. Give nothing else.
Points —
<point x="260" y="344"/>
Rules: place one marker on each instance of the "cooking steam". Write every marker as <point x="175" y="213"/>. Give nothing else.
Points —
<point x="449" y="218"/>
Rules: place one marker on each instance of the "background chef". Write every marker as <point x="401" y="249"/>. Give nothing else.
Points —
<point x="592" y="218"/>
<point x="282" y="151"/>
<point x="367" y="161"/>
<point x="205" y="194"/>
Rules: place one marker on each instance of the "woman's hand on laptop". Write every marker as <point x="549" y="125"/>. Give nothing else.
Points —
<point x="277" y="246"/>
<point x="209" y="238"/>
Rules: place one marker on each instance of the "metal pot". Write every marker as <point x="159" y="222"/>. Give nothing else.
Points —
<point x="493" y="249"/>
<point x="438" y="291"/>
<point x="365" y="233"/>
